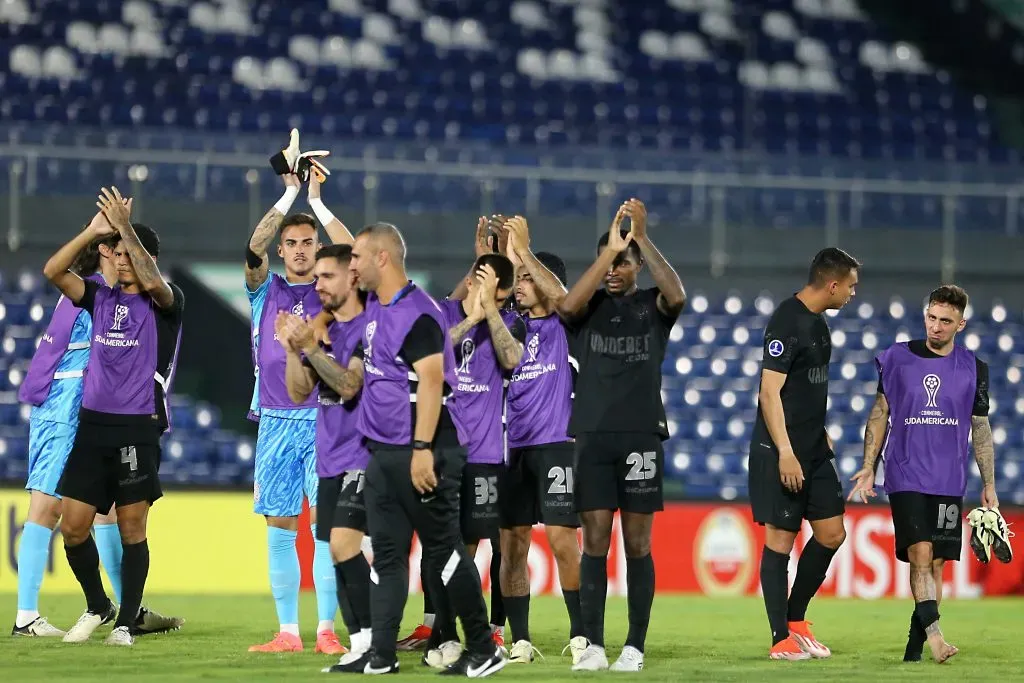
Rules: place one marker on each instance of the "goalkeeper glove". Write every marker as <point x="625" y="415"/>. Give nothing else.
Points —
<point x="284" y="161"/>
<point x="308" y="162"/>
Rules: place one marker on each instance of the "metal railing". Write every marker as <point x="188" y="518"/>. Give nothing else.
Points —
<point x="707" y="192"/>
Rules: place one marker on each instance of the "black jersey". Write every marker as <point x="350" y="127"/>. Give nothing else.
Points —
<point x="620" y="343"/>
<point x="797" y="343"/>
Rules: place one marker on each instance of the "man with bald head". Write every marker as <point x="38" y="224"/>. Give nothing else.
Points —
<point x="414" y="474"/>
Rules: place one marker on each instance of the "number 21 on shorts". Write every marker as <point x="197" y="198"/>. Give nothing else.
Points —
<point x="641" y="466"/>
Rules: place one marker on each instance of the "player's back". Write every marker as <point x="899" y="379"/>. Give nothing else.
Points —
<point x="797" y="343"/>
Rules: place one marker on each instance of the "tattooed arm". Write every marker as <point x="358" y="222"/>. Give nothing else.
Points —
<point x="462" y="329"/>
<point x="984" y="455"/>
<point x="116" y="209"/>
<point x="874" y="431"/>
<point x="346" y="381"/>
<point x="508" y="349"/>
<point x="257" y="265"/>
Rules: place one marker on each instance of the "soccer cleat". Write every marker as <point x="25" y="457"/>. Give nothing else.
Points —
<point x="788" y="649"/>
<point x="121" y="636"/>
<point x="1001" y="534"/>
<point x="282" y="642"/>
<point x="327" y="643"/>
<point x="522" y="652"/>
<point x="631" y="659"/>
<point x="981" y="538"/>
<point x="368" y="663"/>
<point x="149" y="622"/>
<point x="38" y="628"/>
<point x="800" y="631"/>
<point x="444" y="656"/>
<point x="592" y="659"/>
<point x="477" y="664"/>
<point x="89" y="622"/>
<point x="417" y="640"/>
<point x="577" y="646"/>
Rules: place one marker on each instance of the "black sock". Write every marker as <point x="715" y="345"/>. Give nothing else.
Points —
<point x="915" y="640"/>
<point x="134" y="570"/>
<point x="640" y="597"/>
<point x="810" y="574"/>
<point x="466" y="598"/>
<point x="444" y="628"/>
<point x="518" y="608"/>
<point x="593" y="594"/>
<point x="497" y="599"/>
<point x="84" y="561"/>
<point x="774" y="586"/>
<point x="356" y="571"/>
<point x="572" y="607"/>
<point x="927" y="612"/>
<point x="428" y="599"/>
<point x="347" y="615"/>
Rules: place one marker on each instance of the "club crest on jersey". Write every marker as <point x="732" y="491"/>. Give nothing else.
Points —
<point x="371" y="327"/>
<point x="931" y="387"/>
<point x="298" y="310"/>
<point x="468" y="348"/>
<point x="532" y="347"/>
<point x="120" y="316"/>
<point x="776" y="348"/>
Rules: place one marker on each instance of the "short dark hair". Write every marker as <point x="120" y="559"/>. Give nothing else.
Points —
<point x="633" y="247"/>
<point x="341" y="252"/>
<point x="552" y="263"/>
<point x="147" y="236"/>
<point x="951" y="295"/>
<point x="830" y="264"/>
<point x="297" y="219"/>
<point x="503" y="268"/>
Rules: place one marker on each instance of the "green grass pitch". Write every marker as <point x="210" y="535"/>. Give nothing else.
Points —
<point x="691" y="638"/>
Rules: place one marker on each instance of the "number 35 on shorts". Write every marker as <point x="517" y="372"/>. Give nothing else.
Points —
<point x="641" y="466"/>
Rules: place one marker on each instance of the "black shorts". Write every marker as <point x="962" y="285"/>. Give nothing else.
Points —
<point x="821" y="496"/>
<point x="478" y="502"/>
<point x="924" y="518"/>
<point x="538" y="486"/>
<point x="111" y="464"/>
<point x="340" y="504"/>
<point x="619" y="471"/>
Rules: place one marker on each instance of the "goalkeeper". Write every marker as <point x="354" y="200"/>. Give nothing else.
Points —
<point x="932" y="395"/>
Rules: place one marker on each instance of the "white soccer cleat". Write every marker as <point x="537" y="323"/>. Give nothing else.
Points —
<point x="631" y="659"/>
<point x="87" y="623"/>
<point x="996" y="525"/>
<point x="120" y="636"/>
<point x="522" y="652"/>
<point x="577" y="646"/>
<point x="592" y="659"/>
<point x="38" y="628"/>
<point x="444" y="656"/>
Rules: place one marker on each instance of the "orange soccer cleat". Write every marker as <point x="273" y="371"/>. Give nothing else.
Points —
<point x="282" y="642"/>
<point x="800" y="631"/>
<point x="788" y="649"/>
<point x="327" y="643"/>
<point x="417" y="640"/>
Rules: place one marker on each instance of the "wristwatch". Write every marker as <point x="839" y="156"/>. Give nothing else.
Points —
<point x="421" y="445"/>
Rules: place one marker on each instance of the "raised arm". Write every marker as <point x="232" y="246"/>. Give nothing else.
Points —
<point x="336" y="230"/>
<point x="482" y="244"/>
<point x="257" y="265"/>
<point x="544" y="280"/>
<point x="575" y="301"/>
<point x="58" y="268"/>
<point x="474" y="316"/>
<point x="116" y="209"/>
<point x="507" y="348"/>
<point x="671" y="296"/>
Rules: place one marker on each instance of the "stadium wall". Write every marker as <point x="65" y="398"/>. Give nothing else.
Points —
<point x="213" y="543"/>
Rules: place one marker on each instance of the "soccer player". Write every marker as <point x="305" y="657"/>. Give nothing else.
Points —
<point x="285" y="468"/>
<point x="618" y="421"/>
<point x="792" y="468"/>
<point x="336" y="375"/>
<point x="931" y="395"/>
<point x="116" y="451"/>
<point x="537" y="485"/>
<point x="488" y="343"/>
<point x="413" y="478"/>
<point x="53" y="387"/>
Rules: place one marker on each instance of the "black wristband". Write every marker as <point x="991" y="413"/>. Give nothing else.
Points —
<point x="420" y="445"/>
<point x="251" y="258"/>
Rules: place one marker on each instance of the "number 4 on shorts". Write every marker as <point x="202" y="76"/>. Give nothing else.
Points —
<point x="128" y="458"/>
<point x="641" y="466"/>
